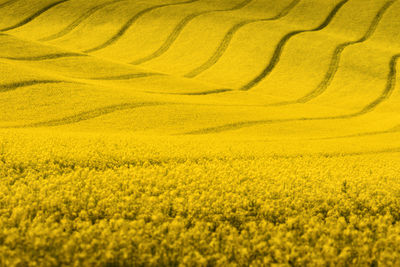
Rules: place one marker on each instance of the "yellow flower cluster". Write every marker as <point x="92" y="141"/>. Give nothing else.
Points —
<point x="78" y="201"/>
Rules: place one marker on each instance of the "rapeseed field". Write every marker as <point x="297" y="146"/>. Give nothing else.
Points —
<point x="199" y="133"/>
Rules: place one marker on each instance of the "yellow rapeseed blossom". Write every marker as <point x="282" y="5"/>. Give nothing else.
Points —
<point x="163" y="205"/>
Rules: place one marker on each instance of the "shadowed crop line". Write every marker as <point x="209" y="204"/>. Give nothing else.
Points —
<point x="130" y="22"/>
<point x="7" y="3"/>
<point x="389" y="88"/>
<point x="371" y="133"/>
<point x="394" y="129"/>
<point x="223" y="46"/>
<point x="179" y="28"/>
<point x="78" y="21"/>
<point x="46" y="57"/>
<point x="14" y="85"/>
<point x="279" y="48"/>
<point x="87" y="115"/>
<point x="127" y="76"/>
<point x="32" y="17"/>
<point x="216" y="91"/>
<point x="210" y="92"/>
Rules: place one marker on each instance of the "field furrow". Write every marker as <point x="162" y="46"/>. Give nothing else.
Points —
<point x="16" y="85"/>
<point x="6" y="3"/>
<point x="178" y="29"/>
<point x="33" y="16"/>
<point x="78" y="21"/>
<point x="130" y="22"/>
<point x="228" y="37"/>
<point x="44" y="57"/>
<point x="281" y="45"/>
<point x="335" y="61"/>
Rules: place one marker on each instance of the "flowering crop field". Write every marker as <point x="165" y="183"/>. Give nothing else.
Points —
<point x="199" y="133"/>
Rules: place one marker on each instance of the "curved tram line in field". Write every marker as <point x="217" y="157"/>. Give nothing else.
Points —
<point x="79" y="20"/>
<point x="335" y="60"/>
<point x="281" y="45"/>
<point x="276" y="54"/>
<point x="15" y="85"/>
<point x="390" y="86"/>
<point x="210" y="92"/>
<point x="46" y="57"/>
<point x="395" y="129"/>
<point x="126" y="76"/>
<point x="7" y="3"/>
<point x="87" y="115"/>
<point x="180" y="27"/>
<point x="130" y="22"/>
<point x="32" y="17"/>
<point x="223" y="46"/>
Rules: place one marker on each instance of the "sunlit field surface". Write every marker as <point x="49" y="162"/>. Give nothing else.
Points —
<point x="199" y="133"/>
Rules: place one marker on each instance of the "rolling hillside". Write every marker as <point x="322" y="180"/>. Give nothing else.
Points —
<point x="199" y="132"/>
